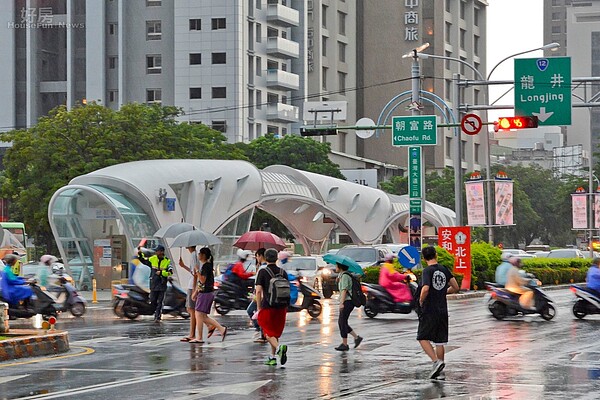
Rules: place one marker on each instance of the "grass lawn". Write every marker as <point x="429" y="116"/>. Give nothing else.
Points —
<point x="3" y="337"/>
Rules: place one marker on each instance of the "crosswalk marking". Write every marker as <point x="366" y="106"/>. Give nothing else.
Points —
<point x="92" y="341"/>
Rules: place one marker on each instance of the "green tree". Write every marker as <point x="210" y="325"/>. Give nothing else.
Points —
<point x="294" y="151"/>
<point x="69" y="143"/>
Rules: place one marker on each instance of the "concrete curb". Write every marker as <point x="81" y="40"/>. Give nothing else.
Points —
<point x="33" y="343"/>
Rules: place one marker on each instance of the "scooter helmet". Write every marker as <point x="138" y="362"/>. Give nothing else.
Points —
<point x="48" y="259"/>
<point x="10" y="258"/>
<point x="58" y="268"/>
<point x="243" y="254"/>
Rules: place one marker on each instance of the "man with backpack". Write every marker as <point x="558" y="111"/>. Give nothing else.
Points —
<point x="272" y="300"/>
<point x="350" y="297"/>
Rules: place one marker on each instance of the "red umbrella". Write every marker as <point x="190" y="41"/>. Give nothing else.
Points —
<point x="254" y="240"/>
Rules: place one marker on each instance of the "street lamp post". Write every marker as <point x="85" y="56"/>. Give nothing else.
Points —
<point x="458" y="166"/>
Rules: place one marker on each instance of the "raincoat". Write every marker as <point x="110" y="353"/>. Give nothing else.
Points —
<point x="393" y="282"/>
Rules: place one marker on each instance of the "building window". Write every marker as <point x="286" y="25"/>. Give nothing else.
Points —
<point x="449" y="147"/>
<point x="195" y="58"/>
<point x="342" y="51"/>
<point x="258" y="33"/>
<point x="324" y="46"/>
<point x="195" y="93"/>
<point x="195" y="24"/>
<point x="219" y="92"/>
<point x="153" y="30"/>
<point x="112" y="62"/>
<point x="153" y="96"/>
<point x="476" y="16"/>
<point x="448" y="89"/>
<point x="154" y="64"/>
<point x="463" y="149"/>
<point x="476" y="96"/>
<point x="342" y="141"/>
<point x="476" y="153"/>
<point x="556" y="16"/>
<point x="219" y="58"/>
<point x="219" y="23"/>
<point x="448" y="65"/>
<point x="462" y="10"/>
<point x="272" y="99"/>
<point x="324" y="16"/>
<point x="112" y="29"/>
<point x="462" y="66"/>
<point x="448" y="5"/>
<point x="258" y="66"/>
<point x="258" y="130"/>
<point x="153" y="3"/>
<point x="258" y="102"/>
<point x="220" y="126"/>
<point x="324" y="73"/>
<point x="341" y="23"/>
<point x="273" y="129"/>
<point x="463" y="35"/>
<point x="342" y="82"/>
<point x="556" y="29"/>
<point x="113" y="95"/>
<point x="448" y="32"/>
<point x="476" y="45"/>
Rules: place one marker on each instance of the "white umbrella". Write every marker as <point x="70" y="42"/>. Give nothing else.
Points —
<point x="195" y="237"/>
<point x="171" y="231"/>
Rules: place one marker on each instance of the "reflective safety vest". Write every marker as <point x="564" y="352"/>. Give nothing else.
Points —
<point x="163" y="265"/>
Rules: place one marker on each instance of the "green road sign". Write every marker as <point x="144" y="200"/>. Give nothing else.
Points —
<point x="543" y="89"/>
<point x="415" y="206"/>
<point x="414" y="130"/>
<point x="414" y="173"/>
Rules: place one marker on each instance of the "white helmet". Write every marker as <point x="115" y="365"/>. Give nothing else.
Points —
<point x="58" y="268"/>
<point x="48" y="259"/>
<point x="244" y="254"/>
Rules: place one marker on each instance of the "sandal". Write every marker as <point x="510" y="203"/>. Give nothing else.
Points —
<point x="196" y="341"/>
<point x="211" y="331"/>
<point x="186" y="339"/>
<point x="224" y="334"/>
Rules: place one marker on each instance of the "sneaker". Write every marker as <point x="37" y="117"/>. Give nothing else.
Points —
<point x="256" y="335"/>
<point x="437" y="367"/>
<point x="441" y="376"/>
<point x="358" y="341"/>
<point x="271" y="362"/>
<point x="342" y="347"/>
<point x="282" y="353"/>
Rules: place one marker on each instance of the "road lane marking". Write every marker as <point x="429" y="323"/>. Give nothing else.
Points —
<point x="97" y="340"/>
<point x="240" y="389"/>
<point x="86" y="351"/>
<point x="156" y="342"/>
<point x="107" y="385"/>
<point x="12" y="378"/>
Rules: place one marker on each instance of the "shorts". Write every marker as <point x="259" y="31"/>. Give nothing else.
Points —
<point x="272" y="321"/>
<point x="204" y="302"/>
<point x="189" y="303"/>
<point x="433" y="327"/>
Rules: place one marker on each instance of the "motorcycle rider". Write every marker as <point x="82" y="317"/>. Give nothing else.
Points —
<point x="161" y="270"/>
<point x="46" y="261"/>
<point x="502" y="271"/>
<point x="242" y="270"/>
<point x="593" y="276"/>
<point x="15" y="286"/>
<point x="517" y="283"/>
<point x="393" y="281"/>
<point x="284" y="258"/>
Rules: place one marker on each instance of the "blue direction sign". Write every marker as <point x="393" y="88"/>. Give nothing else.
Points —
<point x="409" y="257"/>
<point x="543" y="89"/>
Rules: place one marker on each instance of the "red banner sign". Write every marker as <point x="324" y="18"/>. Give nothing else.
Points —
<point x="457" y="240"/>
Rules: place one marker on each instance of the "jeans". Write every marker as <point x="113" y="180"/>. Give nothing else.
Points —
<point x="251" y="310"/>
<point x="343" y="319"/>
<point x="156" y="300"/>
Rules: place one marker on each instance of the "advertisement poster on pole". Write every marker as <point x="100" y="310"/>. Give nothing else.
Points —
<point x="457" y="240"/>
<point x="579" y="204"/>
<point x="475" y="203"/>
<point x="597" y="210"/>
<point x="503" y="188"/>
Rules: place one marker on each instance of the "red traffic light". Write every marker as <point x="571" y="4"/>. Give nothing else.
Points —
<point x="508" y="123"/>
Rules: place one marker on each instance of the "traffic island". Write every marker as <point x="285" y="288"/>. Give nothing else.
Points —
<point x="20" y="343"/>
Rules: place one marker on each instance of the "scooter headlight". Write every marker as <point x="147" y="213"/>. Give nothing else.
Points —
<point x="326" y="272"/>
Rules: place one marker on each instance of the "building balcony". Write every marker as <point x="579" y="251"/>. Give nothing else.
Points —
<point x="282" y="113"/>
<point x="284" y="48"/>
<point x="281" y="15"/>
<point x="282" y="80"/>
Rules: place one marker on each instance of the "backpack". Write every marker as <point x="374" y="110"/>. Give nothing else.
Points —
<point x="228" y="272"/>
<point x="279" y="290"/>
<point x="357" y="296"/>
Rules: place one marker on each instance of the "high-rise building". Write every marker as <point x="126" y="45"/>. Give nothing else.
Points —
<point x="243" y="67"/>
<point x="387" y="29"/>
<point x="578" y="22"/>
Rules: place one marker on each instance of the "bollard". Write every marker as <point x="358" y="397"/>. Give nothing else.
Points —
<point x="3" y="318"/>
<point x="94" y="294"/>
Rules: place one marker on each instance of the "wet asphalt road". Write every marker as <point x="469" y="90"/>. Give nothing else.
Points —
<point x="522" y="358"/>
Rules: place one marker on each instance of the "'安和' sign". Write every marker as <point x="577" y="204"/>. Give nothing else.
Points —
<point x="457" y="240"/>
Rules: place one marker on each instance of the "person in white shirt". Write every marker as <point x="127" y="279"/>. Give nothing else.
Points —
<point x="193" y="269"/>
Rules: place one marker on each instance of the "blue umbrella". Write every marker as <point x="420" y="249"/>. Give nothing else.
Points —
<point x="352" y="265"/>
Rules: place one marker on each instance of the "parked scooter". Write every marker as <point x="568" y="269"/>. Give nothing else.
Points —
<point x="586" y="301"/>
<point x="310" y="301"/>
<point x="504" y="303"/>
<point x="67" y="298"/>
<point x="380" y="301"/>
<point x="131" y="301"/>
<point x="41" y="302"/>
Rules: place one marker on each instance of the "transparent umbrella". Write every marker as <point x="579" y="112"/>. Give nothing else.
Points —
<point x="195" y="237"/>
<point x="173" y="230"/>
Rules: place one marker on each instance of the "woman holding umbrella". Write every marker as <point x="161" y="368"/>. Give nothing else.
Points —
<point x="346" y="307"/>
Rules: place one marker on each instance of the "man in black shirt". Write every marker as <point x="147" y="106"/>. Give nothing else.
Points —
<point x="271" y="319"/>
<point x="433" y="321"/>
